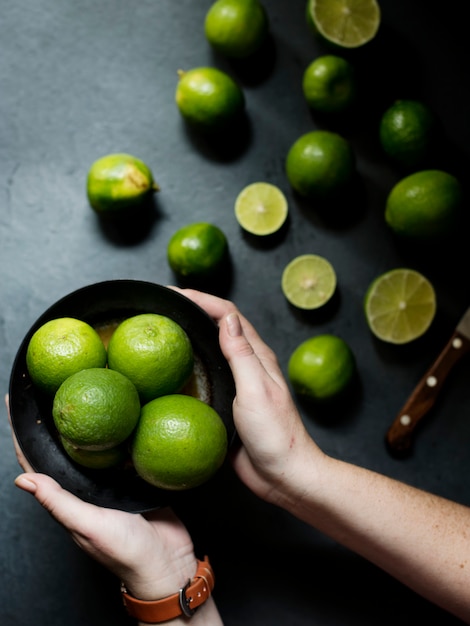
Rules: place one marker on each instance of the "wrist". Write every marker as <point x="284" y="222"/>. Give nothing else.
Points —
<point x="182" y="602"/>
<point x="306" y="476"/>
<point x="153" y="586"/>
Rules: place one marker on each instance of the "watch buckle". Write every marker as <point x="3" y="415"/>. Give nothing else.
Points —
<point x="184" y="601"/>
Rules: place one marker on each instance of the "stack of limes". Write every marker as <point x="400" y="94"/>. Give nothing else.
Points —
<point x="107" y="405"/>
<point x="94" y="409"/>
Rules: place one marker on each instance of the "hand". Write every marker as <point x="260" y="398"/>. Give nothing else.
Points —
<point x="267" y="420"/>
<point x="354" y="506"/>
<point x="152" y="553"/>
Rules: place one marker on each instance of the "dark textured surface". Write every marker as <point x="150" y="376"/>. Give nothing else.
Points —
<point x="82" y="79"/>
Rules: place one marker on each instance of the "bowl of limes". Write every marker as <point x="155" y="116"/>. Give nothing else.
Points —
<point x="121" y="393"/>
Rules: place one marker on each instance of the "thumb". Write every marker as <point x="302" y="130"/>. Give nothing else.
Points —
<point x="62" y="505"/>
<point x="240" y="354"/>
<point x="251" y="360"/>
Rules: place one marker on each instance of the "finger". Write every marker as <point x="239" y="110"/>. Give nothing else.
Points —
<point x="214" y="306"/>
<point x="102" y="533"/>
<point x="218" y="308"/>
<point x="255" y="371"/>
<point x="238" y="338"/>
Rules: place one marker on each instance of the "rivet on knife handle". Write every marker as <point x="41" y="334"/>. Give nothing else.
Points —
<point x="400" y="434"/>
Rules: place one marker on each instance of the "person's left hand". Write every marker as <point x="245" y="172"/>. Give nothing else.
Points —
<point x="152" y="553"/>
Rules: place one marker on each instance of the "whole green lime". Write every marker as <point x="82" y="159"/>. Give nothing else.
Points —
<point x="320" y="164"/>
<point x="197" y="250"/>
<point x="329" y="84"/>
<point x="96" y="409"/>
<point x="424" y="205"/>
<point x="154" y="352"/>
<point x="322" y="367"/>
<point x="236" y="28"/>
<point x="208" y="98"/>
<point x="95" y="459"/>
<point x="179" y="443"/>
<point x="118" y="182"/>
<point x="407" y="133"/>
<point x="61" y="347"/>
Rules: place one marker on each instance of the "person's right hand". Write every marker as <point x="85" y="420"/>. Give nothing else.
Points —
<point x="274" y="438"/>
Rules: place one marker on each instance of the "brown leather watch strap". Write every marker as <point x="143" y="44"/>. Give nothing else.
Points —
<point x="185" y="602"/>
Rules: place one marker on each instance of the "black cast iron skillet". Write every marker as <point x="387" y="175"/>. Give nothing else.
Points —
<point x="31" y="414"/>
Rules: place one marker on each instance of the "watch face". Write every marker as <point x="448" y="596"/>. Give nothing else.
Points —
<point x="100" y="304"/>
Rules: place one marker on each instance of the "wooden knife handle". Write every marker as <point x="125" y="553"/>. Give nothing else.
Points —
<point x="399" y="435"/>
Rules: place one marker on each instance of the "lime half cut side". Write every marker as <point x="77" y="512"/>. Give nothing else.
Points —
<point x="261" y="208"/>
<point x="400" y="305"/>
<point x="308" y="281"/>
<point x="345" y="23"/>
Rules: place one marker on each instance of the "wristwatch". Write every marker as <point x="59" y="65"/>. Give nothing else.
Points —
<point x="185" y="602"/>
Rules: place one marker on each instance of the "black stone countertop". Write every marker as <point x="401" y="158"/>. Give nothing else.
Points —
<point x="82" y="79"/>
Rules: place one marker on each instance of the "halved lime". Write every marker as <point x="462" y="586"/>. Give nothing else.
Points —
<point x="345" y="23"/>
<point x="400" y="305"/>
<point x="308" y="281"/>
<point x="261" y="208"/>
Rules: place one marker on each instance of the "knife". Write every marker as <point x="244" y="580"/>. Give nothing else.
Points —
<point x="400" y="434"/>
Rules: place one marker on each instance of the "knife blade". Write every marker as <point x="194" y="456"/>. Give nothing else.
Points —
<point x="399" y="437"/>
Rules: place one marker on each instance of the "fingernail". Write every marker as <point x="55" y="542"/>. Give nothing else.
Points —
<point x="24" y="483"/>
<point x="233" y="325"/>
